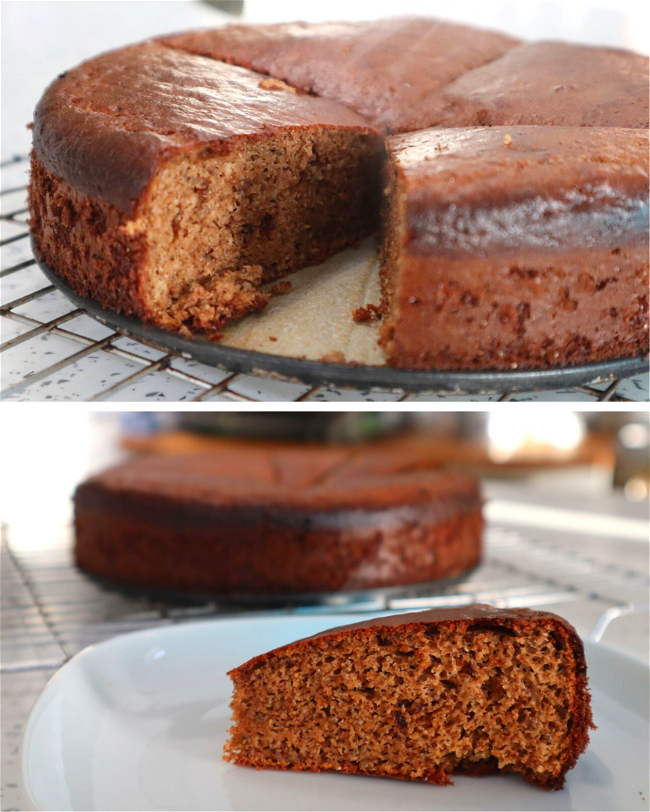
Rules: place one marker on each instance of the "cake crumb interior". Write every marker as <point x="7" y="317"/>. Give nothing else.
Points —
<point x="394" y="237"/>
<point x="414" y="703"/>
<point x="220" y="226"/>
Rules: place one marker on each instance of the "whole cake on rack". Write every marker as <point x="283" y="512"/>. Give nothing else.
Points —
<point x="175" y="179"/>
<point x="268" y="519"/>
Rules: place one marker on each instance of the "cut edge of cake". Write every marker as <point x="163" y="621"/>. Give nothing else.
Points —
<point x="526" y="266"/>
<point x="183" y="222"/>
<point x="419" y="696"/>
<point x="186" y="269"/>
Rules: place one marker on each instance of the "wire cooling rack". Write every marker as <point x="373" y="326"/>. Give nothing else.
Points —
<point x="52" y="350"/>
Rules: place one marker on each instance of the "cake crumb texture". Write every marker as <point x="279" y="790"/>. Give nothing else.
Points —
<point x="419" y="696"/>
<point x="212" y="229"/>
<point x="171" y="187"/>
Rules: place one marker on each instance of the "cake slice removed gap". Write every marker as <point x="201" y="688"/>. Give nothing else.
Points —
<point x="419" y="696"/>
<point x="213" y="228"/>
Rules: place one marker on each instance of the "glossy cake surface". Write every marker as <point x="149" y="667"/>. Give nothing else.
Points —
<point x="419" y="696"/>
<point x="516" y="247"/>
<point x="553" y="83"/>
<point x="258" y="521"/>
<point x="389" y="71"/>
<point x="105" y="126"/>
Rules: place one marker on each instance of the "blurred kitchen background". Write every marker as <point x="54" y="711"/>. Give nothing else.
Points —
<point x="567" y="514"/>
<point x="579" y="461"/>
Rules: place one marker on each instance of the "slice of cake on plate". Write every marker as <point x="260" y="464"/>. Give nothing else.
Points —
<point x="419" y="696"/>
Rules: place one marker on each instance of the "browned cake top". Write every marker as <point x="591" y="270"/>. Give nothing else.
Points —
<point x="477" y="613"/>
<point x="472" y="612"/>
<point x="105" y="126"/>
<point x="554" y="83"/>
<point x="501" y="188"/>
<point x="310" y="479"/>
<point x="389" y="71"/>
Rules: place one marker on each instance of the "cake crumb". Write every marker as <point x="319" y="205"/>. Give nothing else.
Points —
<point x="369" y="312"/>
<point x="412" y="651"/>
<point x="507" y="140"/>
<point x="272" y="338"/>
<point x="281" y="288"/>
<point x="335" y="357"/>
<point x="275" y="84"/>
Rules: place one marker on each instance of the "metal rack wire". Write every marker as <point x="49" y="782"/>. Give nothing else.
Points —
<point x="51" y="610"/>
<point x="27" y="318"/>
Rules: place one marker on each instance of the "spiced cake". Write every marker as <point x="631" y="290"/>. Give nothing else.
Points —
<point x="420" y="696"/>
<point x="177" y="179"/>
<point x="270" y="519"/>
<point x="512" y="247"/>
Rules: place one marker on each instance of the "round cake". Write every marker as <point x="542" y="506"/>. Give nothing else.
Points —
<point x="266" y="520"/>
<point x="178" y="179"/>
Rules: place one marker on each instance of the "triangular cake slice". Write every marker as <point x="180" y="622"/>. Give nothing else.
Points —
<point x="419" y="696"/>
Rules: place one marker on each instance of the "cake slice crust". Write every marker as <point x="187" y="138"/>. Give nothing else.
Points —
<point x="419" y="696"/>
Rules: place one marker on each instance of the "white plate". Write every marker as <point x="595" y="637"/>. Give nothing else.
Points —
<point x="139" y="722"/>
